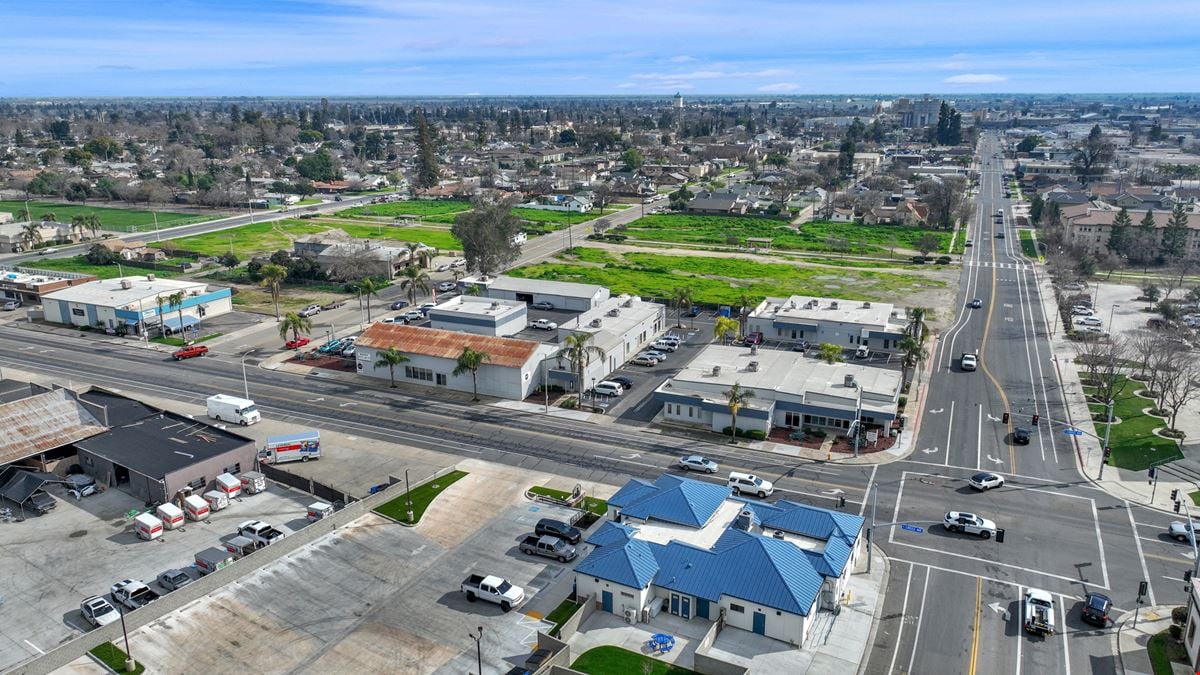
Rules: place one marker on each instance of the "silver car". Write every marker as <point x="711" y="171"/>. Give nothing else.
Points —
<point x="1179" y="530"/>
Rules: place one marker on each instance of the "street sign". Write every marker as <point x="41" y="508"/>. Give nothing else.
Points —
<point x="1070" y="431"/>
<point x="911" y="528"/>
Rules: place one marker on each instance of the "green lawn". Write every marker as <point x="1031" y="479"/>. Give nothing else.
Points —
<point x="608" y="660"/>
<point x="124" y="220"/>
<point x="1165" y="650"/>
<point x="814" y="236"/>
<point x="1028" y="245"/>
<point x="1195" y="497"/>
<point x="554" y="217"/>
<point x="81" y="266"/>
<point x="422" y="496"/>
<point x="724" y="280"/>
<point x="179" y="342"/>
<point x="1133" y="445"/>
<point x="261" y="238"/>
<point x="114" y="658"/>
<point x="594" y="505"/>
<point x="560" y="614"/>
<point x="416" y="208"/>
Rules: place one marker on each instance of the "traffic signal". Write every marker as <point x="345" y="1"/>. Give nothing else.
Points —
<point x="1175" y="496"/>
<point x="1035" y="420"/>
<point x="1143" y="588"/>
<point x="1107" y="453"/>
<point x="842" y="502"/>
<point x="1177" y="504"/>
<point x="999" y="535"/>
<point x="1004" y="418"/>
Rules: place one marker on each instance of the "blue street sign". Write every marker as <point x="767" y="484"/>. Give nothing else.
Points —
<point x="911" y="528"/>
<point x="1070" y="431"/>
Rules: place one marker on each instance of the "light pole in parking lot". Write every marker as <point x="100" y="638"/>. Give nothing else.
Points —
<point x="245" y="382"/>
<point x="130" y="664"/>
<point x="478" y="649"/>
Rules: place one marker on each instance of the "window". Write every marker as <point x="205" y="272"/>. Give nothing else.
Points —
<point x="792" y="419"/>
<point x="414" y="373"/>
<point x="236" y="468"/>
<point x="441" y="379"/>
<point x="199" y="483"/>
<point x="626" y="595"/>
<point x="737" y="608"/>
<point x="690" y="409"/>
<point x="87" y="459"/>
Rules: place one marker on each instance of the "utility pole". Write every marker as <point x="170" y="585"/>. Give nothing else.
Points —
<point x="1104" y="449"/>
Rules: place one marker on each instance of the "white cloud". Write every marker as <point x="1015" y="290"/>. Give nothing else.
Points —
<point x="779" y="87"/>
<point x="682" y="58"/>
<point x="975" y="78"/>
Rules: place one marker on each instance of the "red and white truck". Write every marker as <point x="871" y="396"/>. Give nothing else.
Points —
<point x="298" y="447"/>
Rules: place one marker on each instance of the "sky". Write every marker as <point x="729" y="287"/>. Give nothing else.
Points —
<point x="616" y="47"/>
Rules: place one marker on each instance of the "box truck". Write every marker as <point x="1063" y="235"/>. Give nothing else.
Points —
<point x="229" y="484"/>
<point x="223" y="408"/>
<point x="195" y="507"/>
<point x="147" y="526"/>
<point x="212" y="559"/>
<point x="253" y="482"/>
<point x="298" y="447"/>
<point x="170" y="515"/>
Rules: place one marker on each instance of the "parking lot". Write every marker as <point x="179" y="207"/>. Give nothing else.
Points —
<point x="375" y="596"/>
<point x="52" y="562"/>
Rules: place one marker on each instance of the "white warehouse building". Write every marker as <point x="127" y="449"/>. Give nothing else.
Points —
<point x="621" y="327"/>
<point x="131" y="303"/>
<point x="482" y="316"/>
<point x="561" y="294"/>
<point x="846" y="323"/>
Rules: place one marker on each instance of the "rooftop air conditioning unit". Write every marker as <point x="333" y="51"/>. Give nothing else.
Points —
<point x="627" y="303"/>
<point x="848" y="380"/>
<point x="753" y="367"/>
<point x="716" y="370"/>
<point x="149" y="277"/>
<point x="866" y="305"/>
<point x="126" y="284"/>
<point x="833" y="305"/>
<point x="495" y="304"/>
<point x="792" y="304"/>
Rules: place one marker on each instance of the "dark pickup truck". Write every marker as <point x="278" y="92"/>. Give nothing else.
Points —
<point x="548" y="546"/>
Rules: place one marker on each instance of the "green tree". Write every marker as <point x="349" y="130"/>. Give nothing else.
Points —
<point x="1120" y="236"/>
<point x="914" y="353"/>
<point x="391" y="358"/>
<point x="176" y="300"/>
<point x="78" y="225"/>
<point x="161" y="300"/>
<point x="723" y="326"/>
<point x="31" y="234"/>
<point x="1053" y="215"/>
<point x="578" y="350"/>
<point x="1028" y="143"/>
<point x="470" y="361"/>
<point x="414" y="281"/>
<point x="318" y="166"/>
<point x="1175" y="234"/>
<point x="93" y="224"/>
<point x="845" y="160"/>
<point x="427" y="164"/>
<point x="1092" y="156"/>
<point x="736" y="398"/>
<point x="367" y="288"/>
<point x="633" y="159"/>
<point x="272" y="277"/>
<point x="100" y="255"/>
<point x="295" y="323"/>
<point x="681" y="295"/>
<point x="567" y="137"/>
<point x="830" y="353"/>
<point x="229" y="260"/>
<point x="486" y="233"/>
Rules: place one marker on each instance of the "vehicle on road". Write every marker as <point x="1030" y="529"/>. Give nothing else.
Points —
<point x="458" y="264"/>
<point x="557" y="528"/>
<point x="625" y="382"/>
<point x="425" y="307"/>
<point x="800" y="346"/>
<point x="98" y="611"/>
<point x="48" y="251"/>
<point x="1179" y="530"/>
<point x="968" y="243"/>
<point x="311" y="310"/>
<point x="132" y="593"/>
<point x="755" y="338"/>
<point x="547" y="546"/>
<point x="260" y="532"/>
<point x="986" y="480"/>
<point x="446" y="286"/>
<point x="173" y="580"/>
<point x="863" y="352"/>
<point x="11" y="305"/>
<point x="976" y="303"/>
<point x="969" y="523"/>
<point x="1021" y="436"/>
<point x="225" y="408"/>
<point x="608" y="388"/>
<point x="1081" y="310"/>
<point x="442" y="268"/>
<point x="543" y="305"/>
<point x="544" y="324"/>
<point x="397" y="320"/>
<point x="1095" y="609"/>
<point x="968" y="362"/>
<point x="296" y="343"/>
<point x="1000" y="235"/>
<point x="642" y="360"/>
<point x="189" y="352"/>
<point x="414" y="315"/>
<point x="698" y="463"/>
<point x="1039" y="612"/>
<point x="297" y="447"/>
<point x="330" y="347"/>
<point x="493" y="589"/>
<point x="398" y="304"/>
<point x="655" y="354"/>
<point x="1090" y="321"/>
<point x="347" y="346"/>
<point x="748" y="483"/>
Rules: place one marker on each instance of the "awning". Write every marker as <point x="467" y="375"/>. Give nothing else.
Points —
<point x="172" y="323"/>
<point x="131" y="322"/>
<point x="19" y="484"/>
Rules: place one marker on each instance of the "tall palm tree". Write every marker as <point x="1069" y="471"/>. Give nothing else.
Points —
<point x="31" y="234"/>
<point x="390" y="358"/>
<point x="176" y="299"/>
<point x="577" y="349"/>
<point x="681" y="295"/>
<point x="914" y="353"/>
<point x="743" y="313"/>
<point x="366" y="288"/>
<point x="417" y="254"/>
<point x="272" y="277"/>
<point x="414" y="280"/>
<point x="296" y="324"/>
<point x="93" y="224"/>
<point x="736" y="398"/>
<point x="161" y="300"/>
<point x="78" y="225"/>
<point x="470" y="361"/>
<point x="916" y="322"/>
<point x="723" y="327"/>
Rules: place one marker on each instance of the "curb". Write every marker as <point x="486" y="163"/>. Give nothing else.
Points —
<point x="878" y="616"/>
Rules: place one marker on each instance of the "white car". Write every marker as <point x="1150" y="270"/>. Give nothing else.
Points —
<point x="665" y="346"/>
<point x="986" y="480"/>
<point x="544" y="324"/>
<point x="543" y="305"/>
<point x="98" y="611"/>
<point x="311" y="310"/>
<point x="442" y="268"/>
<point x="1090" y="321"/>
<point x="958" y="521"/>
<point x="969" y="362"/>
<point x="1179" y="530"/>
<point x="1080" y="310"/>
<point x="642" y="360"/>
<point x="446" y="286"/>
<point x="698" y="463"/>
<point x="863" y="352"/>
<point x="655" y="354"/>
<point x="458" y="264"/>
<point x="47" y="251"/>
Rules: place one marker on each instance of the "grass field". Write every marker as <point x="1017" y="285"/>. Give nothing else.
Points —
<point x="411" y="208"/>
<point x="1133" y="444"/>
<point x="123" y="220"/>
<point x="724" y="280"/>
<point x="1028" y="246"/>
<point x="609" y="660"/>
<point x="814" y="236"/>
<point x="259" y="238"/>
<point x="422" y="496"/>
<point x="79" y="265"/>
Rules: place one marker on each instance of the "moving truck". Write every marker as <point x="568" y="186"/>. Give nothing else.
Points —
<point x="253" y="482"/>
<point x="318" y="511"/>
<point x="229" y="484"/>
<point x="195" y="507"/>
<point x="171" y="515"/>
<point x="225" y="408"/>
<point x="240" y="547"/>
<point x="301" y="446"/>
<point x="212" y="559"/>
<point x="147" y="526"/>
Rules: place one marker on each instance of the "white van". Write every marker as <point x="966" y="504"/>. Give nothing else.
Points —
<point x="607" y="388"/>
<point x="225" y="408"/>
<point x="748" y="483"/>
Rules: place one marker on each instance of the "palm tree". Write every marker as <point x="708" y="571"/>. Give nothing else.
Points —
<point x="681" y="295"/>
<point x="78" y="225"/>
<point x="390" y="358"/>
<point x="176" y="299"/>
<point x="366" y="288"/>
<point x="272" y="277"/>
<point x="296" y="324"/>
<point x="723" y="327"/>
<point x="578" y="350"/>
<point x="418" y="254"/>
<point x="470" y="361"/>
<point x="93" y="224"/>
<point x="160" y="300"/>
<point x="415" y="281"/>
<point x="31" y="234"/>
<point x="914" y="353"/>
<point x="50" y="216"/>
<point x="743" y="313"/>
<point x="830" y="353"/>
<point x="916" y="322"/>
<point x="736" y="398"/>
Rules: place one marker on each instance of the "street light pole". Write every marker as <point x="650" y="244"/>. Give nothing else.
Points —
<point x="130" y="664"/>
<point x="478" y="648"/>
<point x="1107" y="430"/>
<point x="246" y="382"/>
<point x="408" y="497"/>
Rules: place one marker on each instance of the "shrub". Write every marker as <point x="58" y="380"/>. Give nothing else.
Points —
<point x="943" y="260"/>
<point x="918" y="260"/>
<point x="1176" y="631"/>
<point x="903" y="401"/>
<point x="752" y="434"/>
<point x="1179" y="615"/>
<point x="569" y="403"/>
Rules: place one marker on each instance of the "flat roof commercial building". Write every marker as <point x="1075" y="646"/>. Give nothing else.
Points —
<point x="28" y="284"/>
<point x="847" y="323"/>
<point x="482" y="316"/>
<point x="561" y="294"/>
<point x="621" y="327"/>
<point x="131" y="303"/>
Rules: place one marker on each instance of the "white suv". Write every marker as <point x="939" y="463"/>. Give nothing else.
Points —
<point x="750" y="484"/>
<point x="969" y="523"/>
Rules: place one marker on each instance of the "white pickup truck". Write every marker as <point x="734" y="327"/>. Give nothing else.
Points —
<point x="132" y="593"/>
<point x="493" y="589"/>
<point x="259" y="532"/>
<point x="1039" y="612"/>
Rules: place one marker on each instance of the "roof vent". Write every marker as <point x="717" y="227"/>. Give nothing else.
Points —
<point x="126" y="284"/>
<point x="866" y="305"/>
<point x="627" y="303"/>
<point x="778" y="534"/>
<point x="792" y="304"/>
<point x="744" y="520"/>
<point x="614" y="312"/>
<point x="149" y="277"/>
<point x="495" y="304"/>
<point x="753" y="367"/>
<point x="833" y="305"/>
<point x="716" y="370"/>
<point x="848" y="380"/>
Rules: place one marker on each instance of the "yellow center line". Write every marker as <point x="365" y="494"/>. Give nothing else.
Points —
<point x="1012" y="455"/>
<point x="978" y="609"/>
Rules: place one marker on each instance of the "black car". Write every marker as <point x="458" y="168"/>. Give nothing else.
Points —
<point x="1095" y="609"/>
<point x="625" y="382"/>
<point x="557" y="528"/>
<point x="1021" y="436"/>
<point x="399" y="304"/>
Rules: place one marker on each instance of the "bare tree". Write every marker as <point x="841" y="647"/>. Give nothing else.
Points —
<point x="1104" y="361"/>
<point x="1179" y="385"/>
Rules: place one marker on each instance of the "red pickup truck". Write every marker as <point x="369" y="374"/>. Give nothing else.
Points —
<point x="189" y="352"/>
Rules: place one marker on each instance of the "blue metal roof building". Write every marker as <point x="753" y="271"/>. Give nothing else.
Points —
<point x="670" y="499"/>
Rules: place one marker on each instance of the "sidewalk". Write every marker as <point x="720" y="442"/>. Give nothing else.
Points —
<point x="1088" y="450"/>
<point x="1129" y="642"/>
